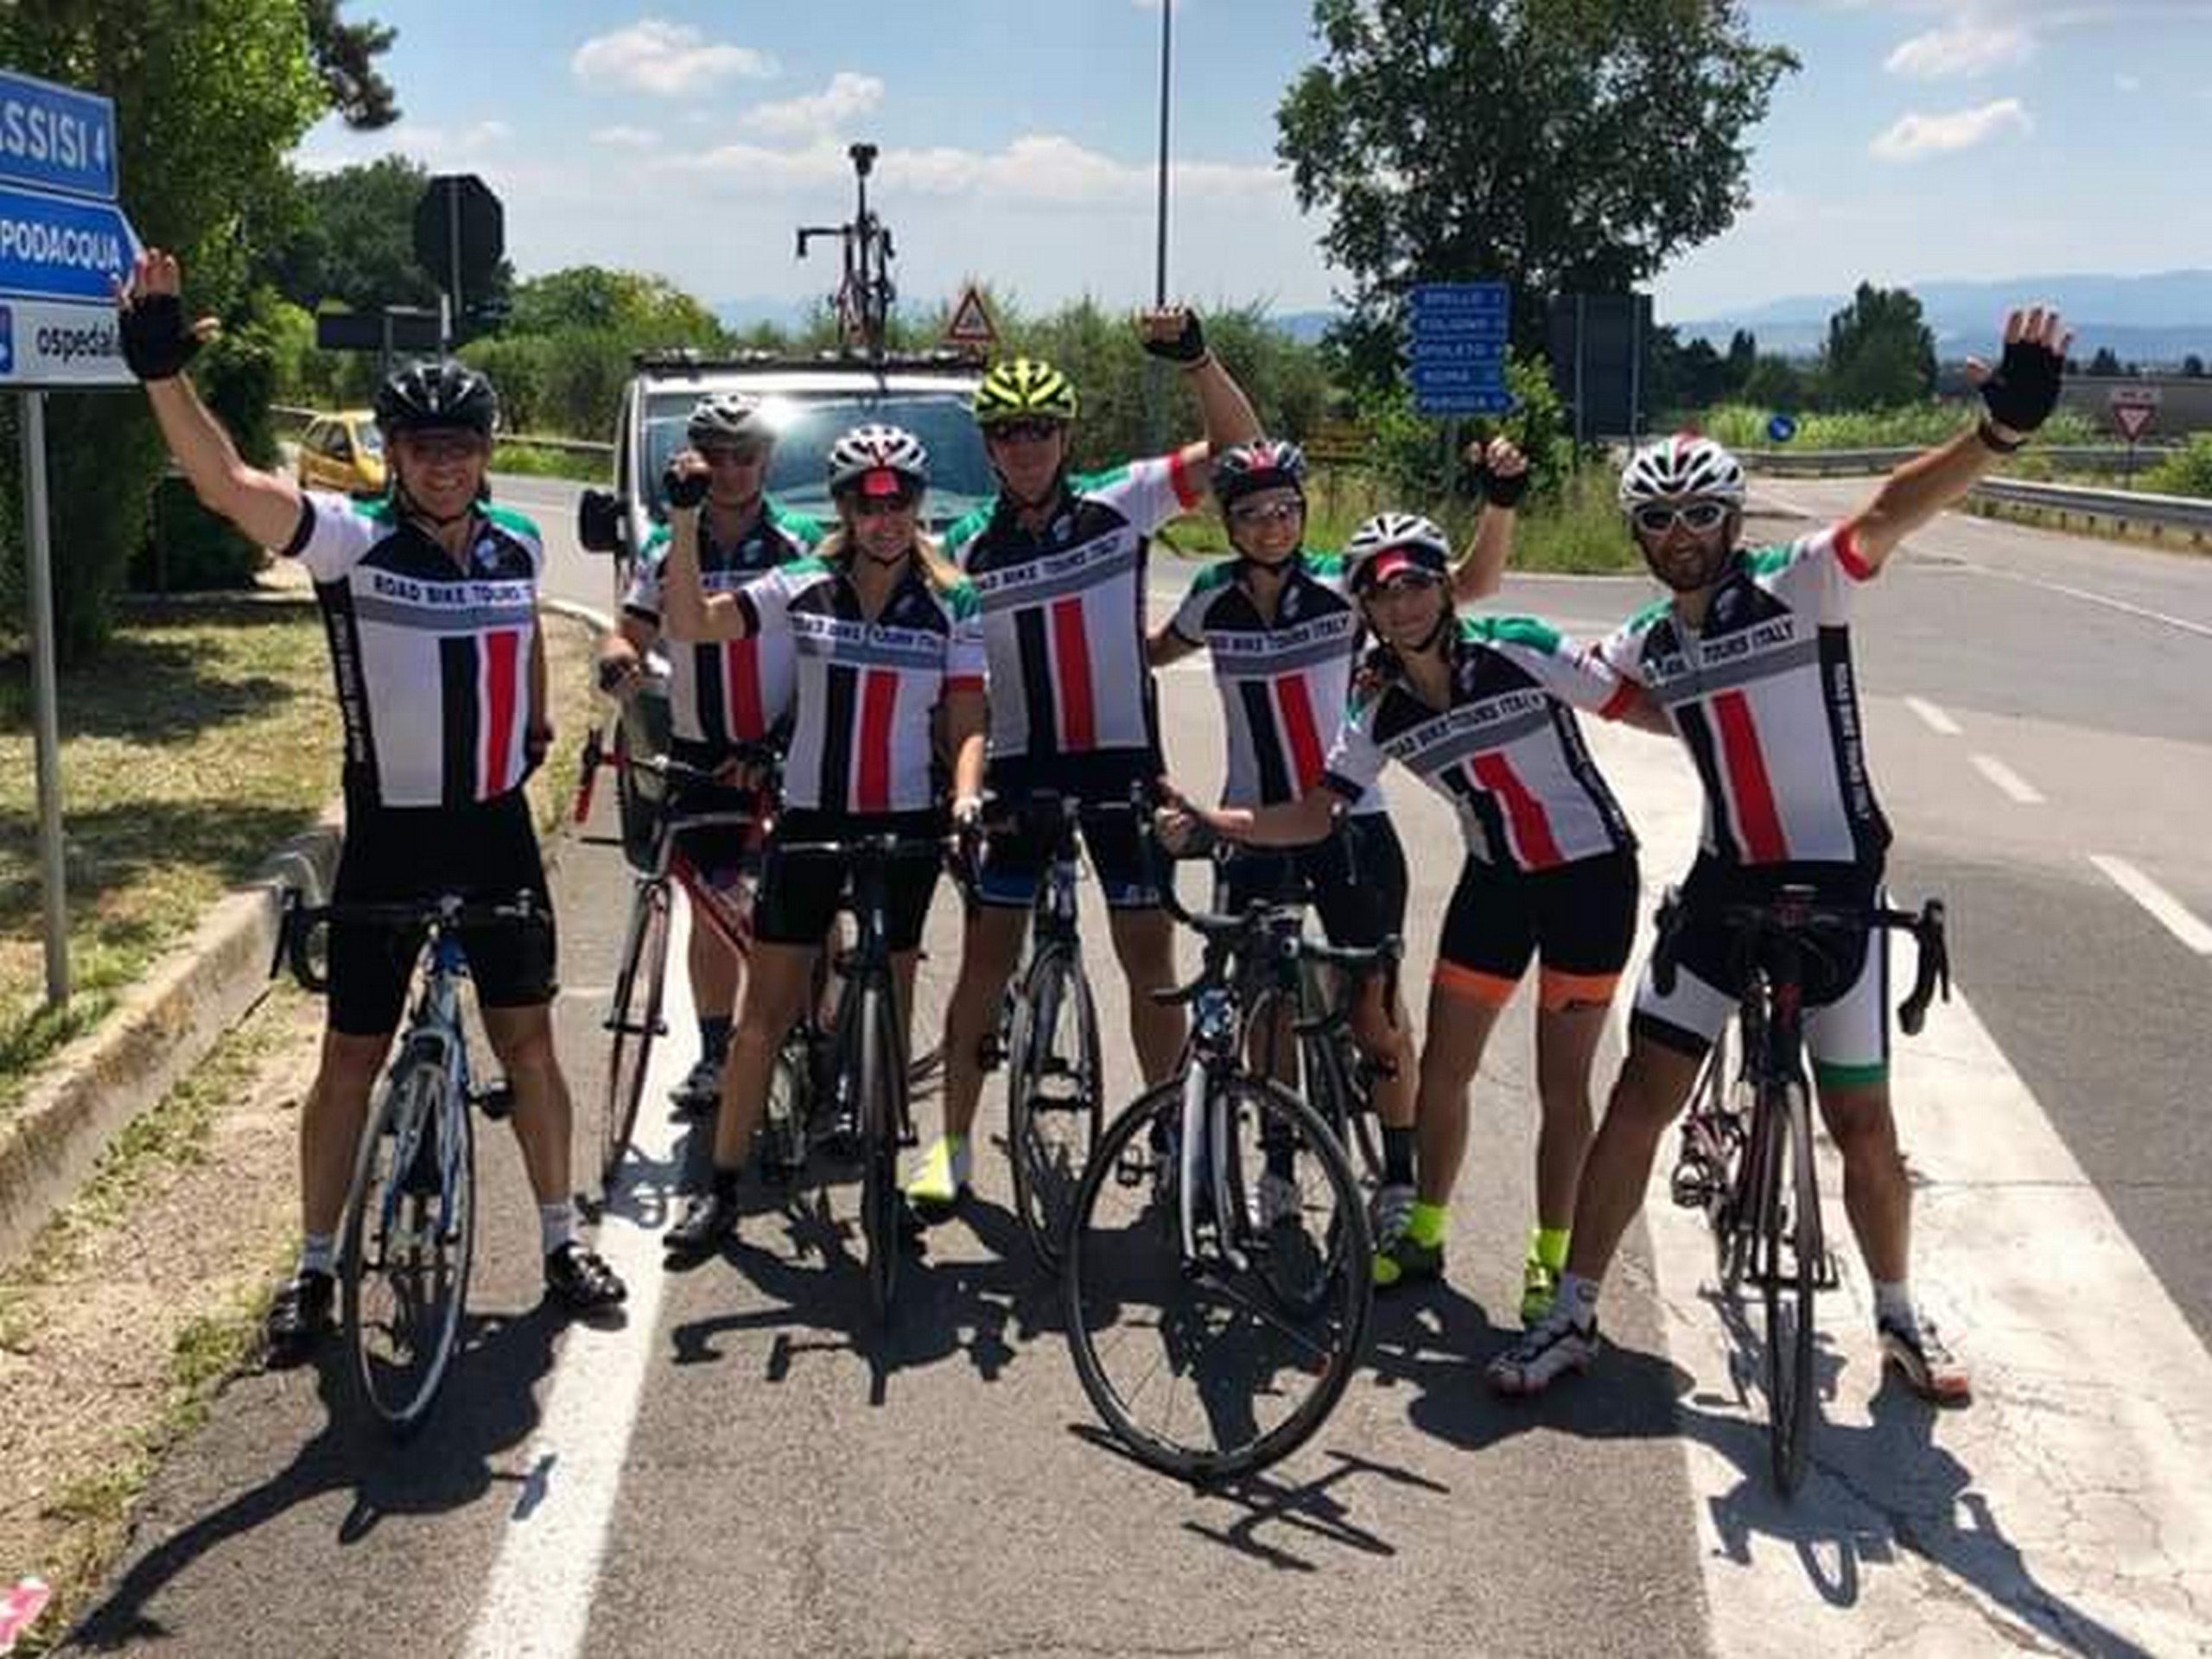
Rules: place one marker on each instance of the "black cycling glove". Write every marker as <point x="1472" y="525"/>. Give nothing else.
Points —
<point x="1502" y="489"/>
<point x="684" y="489"/>
<point x="1189" y="346"/>
<point x="2025" y="388"/>
<point x="157" y="342"/>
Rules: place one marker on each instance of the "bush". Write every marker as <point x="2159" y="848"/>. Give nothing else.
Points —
<point x="2187" y="471"/>
<point x="1743" y="426"/>
<point x="187" y="549"/>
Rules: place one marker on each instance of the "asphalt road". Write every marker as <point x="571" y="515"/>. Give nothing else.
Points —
<point x="750" y="1465"/>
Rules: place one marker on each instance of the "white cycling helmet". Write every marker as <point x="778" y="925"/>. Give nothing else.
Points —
<point x="1393" y="542"/>
<point x="1680" y="468"/>
<point x="728" y="417"/>
<point x="878" y="460"/>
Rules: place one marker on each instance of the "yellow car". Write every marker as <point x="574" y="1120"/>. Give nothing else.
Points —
<point x="343" y="452"/>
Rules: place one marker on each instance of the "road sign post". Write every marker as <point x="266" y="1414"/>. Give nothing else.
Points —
<point x="459" y="235"/>
<point x="64" y="246"/>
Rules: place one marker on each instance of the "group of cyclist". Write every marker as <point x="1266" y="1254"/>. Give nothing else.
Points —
<point x="910" y="678"/>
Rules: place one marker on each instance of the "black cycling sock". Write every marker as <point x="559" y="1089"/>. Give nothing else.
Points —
<point x="1397" y="1155"/>
<point x="713" y="1037"/>
<point x="726" y="1182"/>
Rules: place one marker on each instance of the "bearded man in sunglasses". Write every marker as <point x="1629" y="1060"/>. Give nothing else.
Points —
<point x="1751" y="663"/>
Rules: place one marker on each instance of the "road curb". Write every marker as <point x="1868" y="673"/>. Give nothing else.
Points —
<point x="164" y="1026"/>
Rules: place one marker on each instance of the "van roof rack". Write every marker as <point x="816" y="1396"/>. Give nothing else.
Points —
<point x="690" y="359"/>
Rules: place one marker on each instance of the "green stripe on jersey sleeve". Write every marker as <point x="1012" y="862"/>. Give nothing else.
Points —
<point x="1530" y="630"/>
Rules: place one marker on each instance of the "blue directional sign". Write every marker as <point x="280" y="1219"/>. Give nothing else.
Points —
<point x="56" y="137"/>
<point x="61" y="248"/>
<point x="1780" y="428"/>
<point x="1457" y="361"/>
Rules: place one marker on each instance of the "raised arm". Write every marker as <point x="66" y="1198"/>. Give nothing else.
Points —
<point x="2018" y="395"/>
<point x="157" y="343"/>
<point x="688" y="611"/>
<point x="1176" y="335"/>
<point x="1503" y="471"/>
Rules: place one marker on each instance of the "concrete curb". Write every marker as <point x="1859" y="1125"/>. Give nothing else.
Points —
<point x="164" y="1027"/>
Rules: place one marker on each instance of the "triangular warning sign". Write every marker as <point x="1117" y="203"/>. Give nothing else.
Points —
<point x="2133" y="420"/>
<point x="971" y="323"/>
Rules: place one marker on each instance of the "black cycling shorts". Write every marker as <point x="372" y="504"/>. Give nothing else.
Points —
<point x="1581" y="918"/>
<point x="722" y="853"/>
<point x="1356" y="879"/>
<point x="486" y="852"/>
<point x="801" y="892"/>
<point x="1015" y="859"/>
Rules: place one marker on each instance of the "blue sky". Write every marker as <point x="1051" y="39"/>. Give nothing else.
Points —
<point x="1921" y="141"/>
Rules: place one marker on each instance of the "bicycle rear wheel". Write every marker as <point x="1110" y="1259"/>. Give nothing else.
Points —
<point x="882" y="1081"/>
<point x="1052" y="1101"/>
<point x="409" y="1240"/>
<point x="1792" y="1247"/>
<point x="633" y="1021"/>
<point x="1191" y="1354"/>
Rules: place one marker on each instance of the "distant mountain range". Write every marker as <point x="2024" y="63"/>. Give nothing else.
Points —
<point x="2154" y="319"/>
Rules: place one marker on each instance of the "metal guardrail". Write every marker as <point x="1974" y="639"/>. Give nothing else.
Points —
<point x="575" y="446"/>
<point x="1818" y="463"/>
<point x="2157" y="512"/>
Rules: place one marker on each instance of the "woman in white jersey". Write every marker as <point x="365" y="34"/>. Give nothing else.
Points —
<point x="887" y="639"/>
<point x="1481" y="710"/>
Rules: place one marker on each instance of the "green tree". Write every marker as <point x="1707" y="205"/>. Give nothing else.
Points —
<point x="2192" y="367"/>
<point x="1880" y="353"/>
<point x="1743" y="357"/>
<point x="208" y="99"/>
<point x="646" y="310"/>
<point x="352" y="239"/>
<point x="2106" y="362"/>
<point x="1563" y="146"/>
<point x="1777" y="383"/>
<point x="345" y="56"/>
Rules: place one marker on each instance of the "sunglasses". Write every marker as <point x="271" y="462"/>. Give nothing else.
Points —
<point x="733" y="454"/>
<point x="1266" y="512"/>
<point x="879" y="507"/>
<point x="1657" y="517"/>
<point x="1406" y="581"/>
<point x="1026" y="431"/>
<point x="435" y="450"/>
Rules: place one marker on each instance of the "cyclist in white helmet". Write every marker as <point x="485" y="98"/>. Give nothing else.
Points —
<point x="1749" y="660"/>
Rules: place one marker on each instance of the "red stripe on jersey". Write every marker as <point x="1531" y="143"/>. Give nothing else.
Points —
<point x="742" y="713"/>
<point x="872" y="757"/>
<point x="1620" y="702"/>
<point x="502" y="662"/>
<point x="1757" y="822"/>
<point x="1847" y="553"/>
<point x="962" y="683"/>
<point x="1294" y="706"/>
<point x="1524" y="814"/>
<point x="1071" y="652"/>
<point x="1186" y="485"/>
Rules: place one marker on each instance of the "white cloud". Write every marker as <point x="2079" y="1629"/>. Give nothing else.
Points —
<point x="663" y="59"/>
<point x="1917" y="135"/>
<point x="625" y="138"/>
<point x="442" y="150"/>
<point x="846" y="96"/>
<point x="1974" y="47"/>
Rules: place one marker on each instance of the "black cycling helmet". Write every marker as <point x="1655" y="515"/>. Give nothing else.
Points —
<point x="437" y="396"/>
<point x="1245" y="469"/>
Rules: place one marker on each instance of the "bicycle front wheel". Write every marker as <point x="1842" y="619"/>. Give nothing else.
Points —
<point x="1188" y="1347"/>
<point x="882" y="1081"/>
<point x="633" y="1021"/>
<point x="410" y="1238"/>
<point x="1053" y="1100"/>
<point x="1793" y="1248"/>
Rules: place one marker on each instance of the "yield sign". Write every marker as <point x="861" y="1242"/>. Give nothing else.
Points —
<point x="971" y="323"/>
<point x="2133" y="420"/>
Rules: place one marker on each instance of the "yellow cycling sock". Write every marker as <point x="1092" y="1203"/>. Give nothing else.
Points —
<point x="1426" y="1225"/>
<point x="1548" y="1245"/>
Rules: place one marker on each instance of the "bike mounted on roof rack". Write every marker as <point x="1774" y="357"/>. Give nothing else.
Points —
<point x="865" y="291"/>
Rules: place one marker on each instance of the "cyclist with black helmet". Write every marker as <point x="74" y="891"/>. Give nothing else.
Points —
<point x="1749" y="660"/>
<point x="1058" y="563"/>
<point x="1481" y="709"/>
<point x="721" y="693"/>
<point x="886" y="635"/>
<point x="430" y="596"/>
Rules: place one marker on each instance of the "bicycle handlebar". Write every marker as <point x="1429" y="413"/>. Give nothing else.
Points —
<point x="755" y="754"/>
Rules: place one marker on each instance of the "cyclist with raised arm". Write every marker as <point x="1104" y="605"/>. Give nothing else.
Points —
<point x="1058" y="563"/>
<point x="1751" y="661"/>
<point x="885" y="636"/>
<point x="429" y="597"/>
<point x="1481" y="709"/>
<point x="722" y="693"/>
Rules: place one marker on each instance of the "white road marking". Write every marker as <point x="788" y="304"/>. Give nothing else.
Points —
<point x="1933" y="717"/>
<point x="2088" y="598"/>
<point x="2067" y="1509"/>
<point x="537" y="1604"/>
<point x="2007" y="779"/>
<point x="2174" y="915"/>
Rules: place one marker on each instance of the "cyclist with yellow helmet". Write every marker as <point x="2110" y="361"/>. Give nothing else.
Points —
<point x="1058" y="560"/>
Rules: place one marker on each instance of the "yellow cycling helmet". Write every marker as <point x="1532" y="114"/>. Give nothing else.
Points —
<point x="1024" y="389"/>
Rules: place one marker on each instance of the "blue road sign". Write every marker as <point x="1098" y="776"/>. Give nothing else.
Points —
<point x="56" y="137"/>
<point x="1456" y="358"/>
<point x="1457" y="349"/>
<point x="60" y="248"/>
<point x="1780" y="428"/>
<point x="1438" y="298"/>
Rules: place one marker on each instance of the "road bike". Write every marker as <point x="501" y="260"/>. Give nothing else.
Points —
<point x="409" y="1238"/>
<point x="1747" y="1148"/>
<point x="1216" y="1276"/>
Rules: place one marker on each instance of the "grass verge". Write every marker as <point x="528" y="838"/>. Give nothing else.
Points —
<point x="536" y="460"/>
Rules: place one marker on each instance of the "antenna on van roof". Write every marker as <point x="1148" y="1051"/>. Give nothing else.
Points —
<point x="865" y="293"/>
